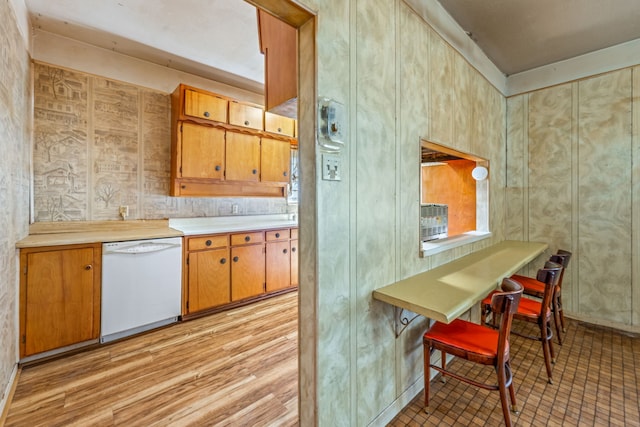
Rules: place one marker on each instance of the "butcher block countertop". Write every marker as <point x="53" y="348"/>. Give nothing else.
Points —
<point x="77" y="232"/>
<point x="81" y="232"/>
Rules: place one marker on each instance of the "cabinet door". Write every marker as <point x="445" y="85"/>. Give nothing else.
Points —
<point x="275" y="158"/>
<point x="243" y="157"/>
<point x="247" y="271"/>
<point x="281" y="125"/>
<point x="245" y="115"/>
<point x="205" y="106"/>
<point x="203" y="152"/>
<point x="60" y="296"/>
<point x="209" y="279"/>
<point x="294" y="262"/>
<point x="278" y="265"/>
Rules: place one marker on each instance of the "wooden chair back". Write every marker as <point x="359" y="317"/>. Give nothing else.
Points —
<point x="505" y="303"/>
<point x="549" y="275"/>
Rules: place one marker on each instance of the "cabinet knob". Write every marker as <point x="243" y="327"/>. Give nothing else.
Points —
<point x="208" y="243"/>
<point x="255" y="171"/>
<point x="183" y="186"/>
<point x="88" y="267"/>
<point x="247" y="238"/>
<point x="246" y="122"/>
<point x="284" y="173"/>
<point x="235" y="259"/>
<point x="279" y="129"/>
<point x="284" y="251"/>
<point x="206" y="114"/>
<point x="217" y="167"/>
<point x="293" y="249"/>
<point x="223" y="261"/>
<point x="277" y="235"/>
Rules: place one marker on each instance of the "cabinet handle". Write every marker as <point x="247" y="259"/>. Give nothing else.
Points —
<point x="235" y="259"/>
<point x="246" y="122"/>
<point x="208" y="243"/>
<point x="206" y="114"/>
<point x="247" y="238"/>
<point x="217" y="167"/>
<point x="88" y="267"/>
<point x="293" y="249"/>
<point x="223" y="261"/>
<point x="284" y="251"/>
<point x="277" y="235"/>
<point x="255" y="171"/>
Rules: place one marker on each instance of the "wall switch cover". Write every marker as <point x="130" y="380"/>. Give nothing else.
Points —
<point x="331" y="167"/>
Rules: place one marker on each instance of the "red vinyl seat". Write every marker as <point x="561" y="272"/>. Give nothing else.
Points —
<point x="533" y="311"/>
<point x="535" y="288"/>
<point x="478" y="344"/>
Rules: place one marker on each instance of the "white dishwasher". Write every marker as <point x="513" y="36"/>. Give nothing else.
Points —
<point x="141" y="286"/>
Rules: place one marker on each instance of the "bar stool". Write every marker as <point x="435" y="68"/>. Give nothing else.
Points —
<point x="535" y="288"/>
<point x="478" y="344"/>
<point x="538" y="312"/>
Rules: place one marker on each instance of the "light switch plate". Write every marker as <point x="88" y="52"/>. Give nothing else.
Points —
<point x="331" y="167"/>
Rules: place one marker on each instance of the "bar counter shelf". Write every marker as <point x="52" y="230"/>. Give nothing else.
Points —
<point x="446" y="292"/>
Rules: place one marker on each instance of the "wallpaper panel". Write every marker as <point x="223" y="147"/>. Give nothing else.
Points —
<point x="604" y="197"/>
<point x="550" y="171"/>
<point x="101" y="143"/>
<point x="15" y="128"/>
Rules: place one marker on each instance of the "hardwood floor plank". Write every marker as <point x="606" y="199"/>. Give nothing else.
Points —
<point x="231" y="368"/>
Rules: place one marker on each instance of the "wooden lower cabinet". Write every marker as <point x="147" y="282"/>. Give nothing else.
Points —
<point x="294" y="261"/>
<point x="225" y="270"/>
<point x="208" y="283"/>
<point x="247" y="271"/>
<point x="59" y="297"/>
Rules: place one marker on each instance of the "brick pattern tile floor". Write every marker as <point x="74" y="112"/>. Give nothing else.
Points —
<point x="596" y="382"/>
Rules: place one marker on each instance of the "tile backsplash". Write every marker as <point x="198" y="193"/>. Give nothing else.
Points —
<point x="100" y="144"/>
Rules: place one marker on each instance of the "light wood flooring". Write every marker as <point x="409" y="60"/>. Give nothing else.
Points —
<point x="238" y="368"/>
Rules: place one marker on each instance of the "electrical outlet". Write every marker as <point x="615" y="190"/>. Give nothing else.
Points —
<point x="331" y="167"/>
<point x="234" y="209"/>
<point x="124" y="211"/>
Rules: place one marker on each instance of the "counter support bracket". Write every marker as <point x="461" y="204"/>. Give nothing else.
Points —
<point x="401" y="320"/>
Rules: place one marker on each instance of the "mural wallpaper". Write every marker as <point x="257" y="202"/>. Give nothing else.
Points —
<point x="100" y="144"/>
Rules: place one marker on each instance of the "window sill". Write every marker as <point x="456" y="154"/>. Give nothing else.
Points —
<point x="441" y="245"/>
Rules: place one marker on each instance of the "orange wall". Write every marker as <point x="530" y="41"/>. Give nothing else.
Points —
<point x="454" y="186"/>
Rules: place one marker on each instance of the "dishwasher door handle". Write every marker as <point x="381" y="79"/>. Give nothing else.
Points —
<point x="142" y="248"/>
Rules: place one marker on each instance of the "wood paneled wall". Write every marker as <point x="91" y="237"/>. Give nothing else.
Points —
<point x="573" y="181"/>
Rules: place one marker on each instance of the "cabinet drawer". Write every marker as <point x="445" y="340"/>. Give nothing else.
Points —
<point x="246" y="115"/>
<point x="246" y="238"/>
<point x="278" y="235"/>
<point x="294" y="233"/>
<point x="278" y="124"/>
<point x="205" y="106"/>
<point x="207" y="242"/>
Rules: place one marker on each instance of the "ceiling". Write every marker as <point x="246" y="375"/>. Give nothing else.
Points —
<point x="519" y="35"/>
<point x="218" y="39"/>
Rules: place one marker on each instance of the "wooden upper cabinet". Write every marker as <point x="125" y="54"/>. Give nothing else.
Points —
<point x="281" y="125"/>
<point x="279" y="44"/>
<point x="216" y="149"/>
<point x="246" y="115"/>
<point x="275" y="157"/>
<point x="243" y="157"/>
<point x="203" y="152"/>
<point x="59" y="297"/>
<point x="205" y="106"/>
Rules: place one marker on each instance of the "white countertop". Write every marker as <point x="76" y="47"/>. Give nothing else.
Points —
<point x="226" y="224"/>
